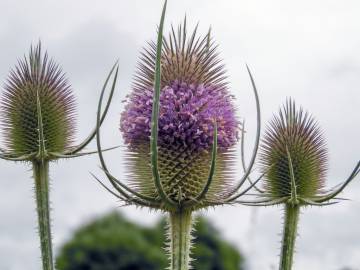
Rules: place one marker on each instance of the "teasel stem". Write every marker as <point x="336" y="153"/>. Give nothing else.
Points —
<point x="292" y="212"/>
<point x="180" y="239"/>
<point x="41" y="176"/>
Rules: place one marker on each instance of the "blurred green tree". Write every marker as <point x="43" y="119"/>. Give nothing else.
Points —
<point x="114" y="243"/>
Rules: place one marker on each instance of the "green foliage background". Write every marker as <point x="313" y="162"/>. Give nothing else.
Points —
<point x="113" y="243"/>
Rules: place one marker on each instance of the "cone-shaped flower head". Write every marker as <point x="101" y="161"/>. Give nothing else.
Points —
<point x="37" y="106"/>
<point x="293" y="154"/>
<point x="37" y="111"/>
<point x="194" y="95"/>
<point x="294" y="158"/>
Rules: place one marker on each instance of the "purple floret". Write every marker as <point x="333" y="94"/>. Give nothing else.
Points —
<point x="186" y="118"/>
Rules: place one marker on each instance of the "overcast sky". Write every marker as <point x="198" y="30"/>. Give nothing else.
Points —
<point x="309" y="50"/>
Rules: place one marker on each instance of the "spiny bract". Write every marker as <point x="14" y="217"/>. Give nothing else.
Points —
<point x="295" y="134"/>
<point x="194" y="95"/>
<point x="36" y="78"/>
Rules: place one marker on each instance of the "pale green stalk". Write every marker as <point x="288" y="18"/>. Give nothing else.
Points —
<point x="180" y="239"/>
<point x="41" y="177"/>
<point x="291" y="220"/>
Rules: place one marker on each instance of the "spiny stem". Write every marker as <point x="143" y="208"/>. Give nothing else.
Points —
<point x="180" y="239"/>
<point x="292" y="213"/>
<point x="41" y="176"/>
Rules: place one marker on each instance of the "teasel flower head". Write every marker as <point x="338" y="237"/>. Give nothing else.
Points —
<point x="180" y="126"/>
<point x="38" y="123"/>
<point x="35" y="80"/>
<point x="294" y="140"/>
<point x="38" y="111"/>
<point x="193" y="99"/>
<point x="294" y="159"/>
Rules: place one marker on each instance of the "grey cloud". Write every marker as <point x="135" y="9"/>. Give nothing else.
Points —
<point x="306" y="50"/>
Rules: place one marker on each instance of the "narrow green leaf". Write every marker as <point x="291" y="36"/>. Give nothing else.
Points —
<point x="155" y="115"/>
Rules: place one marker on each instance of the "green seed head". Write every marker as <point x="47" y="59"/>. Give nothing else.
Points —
<point x="183" y="173"/>
<point x="37" y="99"/>
<point x="293" y="134"/>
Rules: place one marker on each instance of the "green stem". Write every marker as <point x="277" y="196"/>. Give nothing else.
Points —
<point x="41" y="176"/>
<point x="292" y="213"/>
<point x="180" y="236"/>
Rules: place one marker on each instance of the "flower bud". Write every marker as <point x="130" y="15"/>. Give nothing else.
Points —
<point x="37" y="86"/>
<point x="293" y="135"/>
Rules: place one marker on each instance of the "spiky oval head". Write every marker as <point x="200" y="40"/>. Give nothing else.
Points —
<point x="37" y="86"/>
<point x="293" y="133"/>
<point x="194" y="95"/>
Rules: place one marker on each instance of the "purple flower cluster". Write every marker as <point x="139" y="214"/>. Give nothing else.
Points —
<point x="187" y="115"/>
